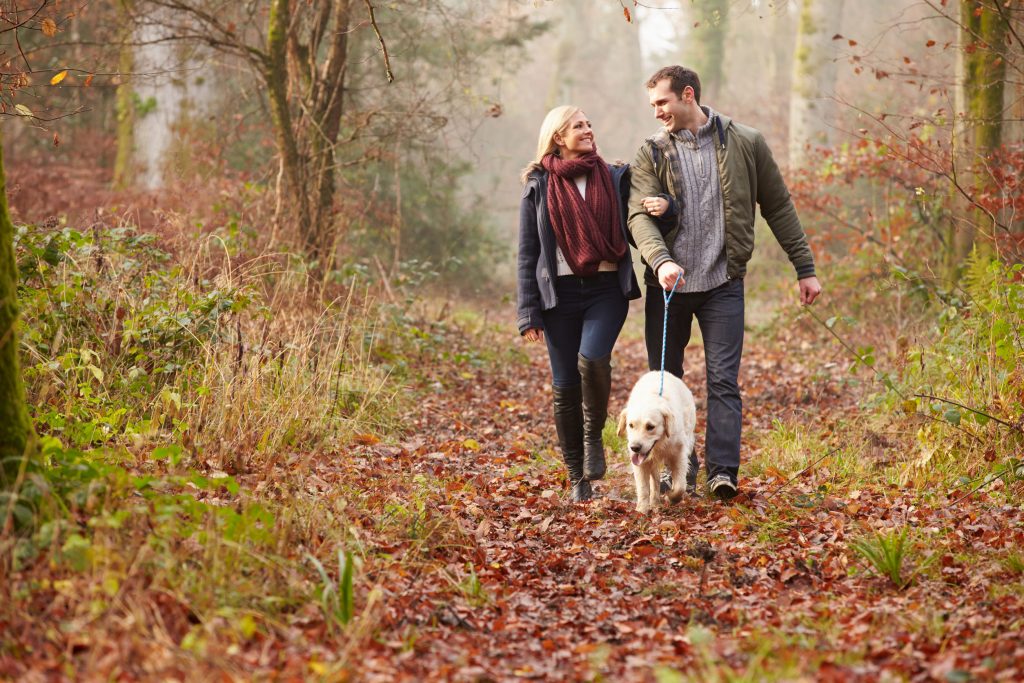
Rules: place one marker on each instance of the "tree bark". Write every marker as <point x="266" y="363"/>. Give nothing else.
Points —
<point x="124" y="105"/>
<point x="16" y="434"/>
<point x="706" y="49"/>
<point x="977" y="133"/>
<point x="275" y="74"/>
<point x="328" y="105"/>
<point x="307" y="135"/>
<point x="1013" y="101"/>
<point x="812" y="109"/>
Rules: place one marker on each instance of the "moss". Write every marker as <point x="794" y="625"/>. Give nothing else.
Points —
<point x="15" y="427"/>
<point x="984" y="72"/>
<point x="707" y="47"/>
<point x="807" y="28"/>
<point x="982" y="36"/>
<point x="125" y="107"/>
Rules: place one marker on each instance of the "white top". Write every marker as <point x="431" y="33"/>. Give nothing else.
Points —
<point x="563" y="265"/>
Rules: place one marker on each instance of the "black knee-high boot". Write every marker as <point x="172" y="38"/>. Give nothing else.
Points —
<point x="568" y="412"/>
<point x="596" y="375"/>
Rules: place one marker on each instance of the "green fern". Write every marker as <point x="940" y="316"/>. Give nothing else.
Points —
<point x="887" y="553"/>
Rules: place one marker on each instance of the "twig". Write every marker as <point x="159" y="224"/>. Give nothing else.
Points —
<point x="794" y="477"/>
<point x="978" y="488"/>
<point x="380" y="39"/>
<point x="973" y="410"/>
<point x="384" y="280"/>
<point x="883" y="377"/>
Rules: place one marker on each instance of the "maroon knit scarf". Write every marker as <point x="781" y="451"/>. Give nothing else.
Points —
<point x="587" y="231"/>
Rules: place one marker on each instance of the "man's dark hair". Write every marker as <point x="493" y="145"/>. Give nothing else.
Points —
<point x="680" y="77"/>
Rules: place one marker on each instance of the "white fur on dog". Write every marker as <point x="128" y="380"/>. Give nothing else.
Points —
<point x="659" y="431"/>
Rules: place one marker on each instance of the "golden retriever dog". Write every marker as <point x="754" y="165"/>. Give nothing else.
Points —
<point x="659" y="432"/>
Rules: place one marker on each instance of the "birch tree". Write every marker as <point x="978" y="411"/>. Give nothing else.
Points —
<point x="812" y="107"/>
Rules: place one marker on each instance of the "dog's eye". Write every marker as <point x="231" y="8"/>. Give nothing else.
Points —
<point x="650" y="427"/>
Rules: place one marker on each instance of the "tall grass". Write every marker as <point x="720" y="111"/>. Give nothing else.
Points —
<point x="124" y="347"/>
<point x="195" y="483"/>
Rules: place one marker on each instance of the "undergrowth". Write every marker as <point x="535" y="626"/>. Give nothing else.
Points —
<point x="178" y="406"/>
<point x="938" y="373"/>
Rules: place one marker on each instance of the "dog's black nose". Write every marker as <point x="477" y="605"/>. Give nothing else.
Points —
<point x="635" y="447"/>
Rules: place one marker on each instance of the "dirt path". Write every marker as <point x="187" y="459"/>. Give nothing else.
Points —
<point x="518" y="583"/>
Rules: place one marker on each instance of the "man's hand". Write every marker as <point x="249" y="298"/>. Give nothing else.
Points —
<point x="534" y="334"/>
<point x="810" y="288"/>
<point x="667" y="274"/>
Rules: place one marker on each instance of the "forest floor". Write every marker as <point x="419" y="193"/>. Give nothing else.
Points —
<point x="763" y="588"/>
<point x="474" y="566"/>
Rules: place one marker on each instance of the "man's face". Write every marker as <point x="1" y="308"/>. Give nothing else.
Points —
<point x="669" y="108"/>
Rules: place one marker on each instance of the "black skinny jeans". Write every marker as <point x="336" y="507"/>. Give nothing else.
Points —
<point x="587" y="320"/>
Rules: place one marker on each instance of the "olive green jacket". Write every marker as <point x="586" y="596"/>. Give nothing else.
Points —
<point x="749" y="176"/>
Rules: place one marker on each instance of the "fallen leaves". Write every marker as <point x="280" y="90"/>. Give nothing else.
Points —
<point x="483" y="569"/>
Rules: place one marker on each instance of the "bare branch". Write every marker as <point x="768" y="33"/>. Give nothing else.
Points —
<point x="380" y="38"/>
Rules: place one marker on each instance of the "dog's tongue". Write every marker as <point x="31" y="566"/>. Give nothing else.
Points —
<point x="636" y="459"/>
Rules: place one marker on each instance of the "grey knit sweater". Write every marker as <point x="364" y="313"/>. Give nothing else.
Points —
<point x="699" y="246"/>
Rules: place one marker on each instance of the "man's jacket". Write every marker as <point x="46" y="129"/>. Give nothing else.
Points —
<point x="749" y="177"/>
<point x="536" y="268"/>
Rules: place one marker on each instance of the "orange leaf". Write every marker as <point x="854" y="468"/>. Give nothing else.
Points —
<point x="625" y="12"/>
<point x="57" y="78"/>
<point x="644" y="550"/>
<point x="88" y="80"/>
<point x="366" y="439"/>
<point x="929" y="43"/>
<point x="49" y="27"/>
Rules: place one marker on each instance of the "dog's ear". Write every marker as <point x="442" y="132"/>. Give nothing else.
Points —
<point x="666" y="420"/>
<point x="622" y="423"/>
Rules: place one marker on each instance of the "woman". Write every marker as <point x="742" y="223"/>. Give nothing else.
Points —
<point x="575" y="280"/>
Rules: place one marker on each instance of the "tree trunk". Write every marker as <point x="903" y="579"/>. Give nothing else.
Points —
<point x="812" y="109"/>
<point x="705" y="52"/>
<point x="16" y="433"/>
<point x="124" y="174"/>
<point x="275" y="75"/>
<point x="328" y="105"/>
<point x="308" y="135"/>
<point x="1013" y="103"/>
<point x="977" y="132"/>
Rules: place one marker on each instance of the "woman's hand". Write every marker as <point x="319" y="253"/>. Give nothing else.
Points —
<point x="655" y="206"/>
<point x="534" y="334"/>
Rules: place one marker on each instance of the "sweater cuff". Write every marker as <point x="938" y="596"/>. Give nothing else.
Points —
<point x="529" y="322"/>
<point x="658" y="261"/>
<point x="804" y="271"/>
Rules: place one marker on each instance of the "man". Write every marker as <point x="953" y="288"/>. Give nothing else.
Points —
<point x="716" y="170"/>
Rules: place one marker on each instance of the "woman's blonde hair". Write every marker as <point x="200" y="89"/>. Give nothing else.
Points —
<point x="556" y="121"/>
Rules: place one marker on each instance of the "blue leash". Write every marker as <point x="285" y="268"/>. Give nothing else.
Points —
<point x="664" y="330"/>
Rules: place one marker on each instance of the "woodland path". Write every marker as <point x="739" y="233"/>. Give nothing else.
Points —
<point x="528" y="586"/>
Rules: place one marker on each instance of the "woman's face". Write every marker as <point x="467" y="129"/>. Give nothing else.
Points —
<point x="577" y="138"/>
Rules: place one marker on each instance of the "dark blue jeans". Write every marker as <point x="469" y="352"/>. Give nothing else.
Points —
<point x="719" y="313"/>
<point x="586" y="320"/>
